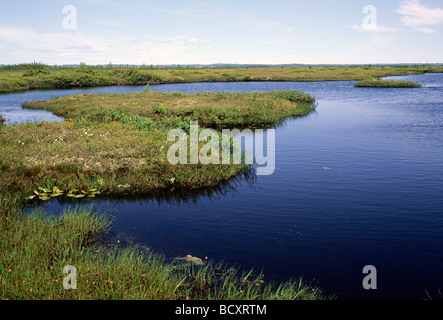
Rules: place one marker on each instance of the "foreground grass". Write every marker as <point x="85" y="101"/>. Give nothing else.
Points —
<point x="386" y="84"/>
<point x="35" y="249"/>
<point x="40" y="76"/>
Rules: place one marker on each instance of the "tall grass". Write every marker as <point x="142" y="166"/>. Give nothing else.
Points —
<point x="218" y="281"/>
<point x="35" y="248"/>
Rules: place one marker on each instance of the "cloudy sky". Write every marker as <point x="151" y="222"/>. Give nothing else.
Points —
<point x="204" y="32"/>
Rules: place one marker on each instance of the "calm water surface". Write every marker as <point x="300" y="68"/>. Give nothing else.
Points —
<point x="357" y="183"/>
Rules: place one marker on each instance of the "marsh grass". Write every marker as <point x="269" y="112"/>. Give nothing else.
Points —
<point x="386" y="84"/>
<point x="113" y="157"/>
<point x="171" y="110"/>
<point x="35" y="248"/>
<point x="219" y="281"/>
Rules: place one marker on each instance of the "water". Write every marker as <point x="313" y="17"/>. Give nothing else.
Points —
<point x="357" y="183"/>
<point x="12" y="112"/>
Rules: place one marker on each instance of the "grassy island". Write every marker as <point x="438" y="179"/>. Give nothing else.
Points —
<point x="115" y="145"/>
<point x="386" y="84"/>
<point x="113" y="140"/>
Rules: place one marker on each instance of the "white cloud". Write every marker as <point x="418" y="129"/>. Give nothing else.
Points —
<point x="196" y="40"/>
<point x="28" y="39"/>
<point x="372" y="28"/>
<point x="416" y="15"/>
<point x="25" y="44"/>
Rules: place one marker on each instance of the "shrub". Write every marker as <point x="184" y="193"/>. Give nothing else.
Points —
<point x="160" y="109"/>
<point x="35" y="72"/>
<point x="135" y="76"/>
<point x="294" y="96"/>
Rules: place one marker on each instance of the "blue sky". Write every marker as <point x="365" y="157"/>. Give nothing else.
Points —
<point x="205" y="32"/>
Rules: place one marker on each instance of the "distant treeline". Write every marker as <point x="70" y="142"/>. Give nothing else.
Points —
<point x="37" y="65"/>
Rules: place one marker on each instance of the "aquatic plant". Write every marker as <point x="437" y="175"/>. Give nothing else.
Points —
<point x="45" y="193"/>
<point x="76" y="193"/>
<point x="48" y="193"/>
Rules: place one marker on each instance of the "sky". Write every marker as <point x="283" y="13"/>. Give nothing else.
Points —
<point x="229" y="31"/>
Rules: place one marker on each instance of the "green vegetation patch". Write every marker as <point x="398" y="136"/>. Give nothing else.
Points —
<point x="222" y="109"/>
<point x="386" y="84"/>
<point x="107" y="157"/>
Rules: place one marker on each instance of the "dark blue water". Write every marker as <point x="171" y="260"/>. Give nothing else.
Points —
<point x="359" y="182"/>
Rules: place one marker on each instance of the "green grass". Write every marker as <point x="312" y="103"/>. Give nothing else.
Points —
<point x="40" y="76"/>
<point x="386" y="84"/>
<point x="114" y="157"/>
<point x="35" y="248"/>
<point x="221" y="109"/>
